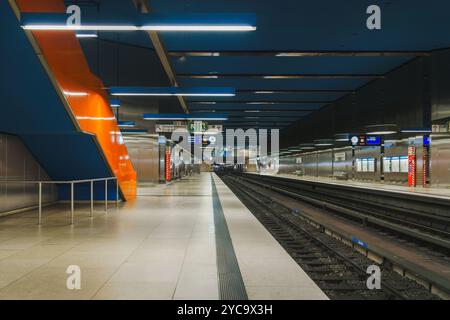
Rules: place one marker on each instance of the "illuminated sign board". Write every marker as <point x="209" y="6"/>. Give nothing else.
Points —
<point x="364" y="140"/>
<point x="373" y="140"/>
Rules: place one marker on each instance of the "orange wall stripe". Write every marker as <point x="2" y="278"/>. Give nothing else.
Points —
<point x="66" y="59"/>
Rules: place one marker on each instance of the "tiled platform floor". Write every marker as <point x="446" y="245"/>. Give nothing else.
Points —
<point x="159" y="246"/>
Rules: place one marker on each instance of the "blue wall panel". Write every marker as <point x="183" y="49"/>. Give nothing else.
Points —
<point x="31" y="109"/>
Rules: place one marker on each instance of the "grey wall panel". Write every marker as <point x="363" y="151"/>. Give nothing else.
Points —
<point x="440" y="160"/>
<point x="161" y="163"/>
<point x="310" y="164"/>
<point x="2" y="172"/>
<point x="342" y="166"/>
<point x="325" y="163"/>
<point x="17" y="163"/>
<point x="289" y="165"/>
<point x="144" y="154"/>
<point x="440" y="90"/>
<point x="396" y="148"/>
<point x="398" y="98"/>
<point x="369" y="152"/>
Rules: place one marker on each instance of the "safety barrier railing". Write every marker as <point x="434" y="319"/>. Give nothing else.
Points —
<point x="72" y="184"/>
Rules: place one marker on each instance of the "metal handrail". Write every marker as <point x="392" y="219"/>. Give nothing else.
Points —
<point x="72" y="193"/>
<point x="59" y="182"/>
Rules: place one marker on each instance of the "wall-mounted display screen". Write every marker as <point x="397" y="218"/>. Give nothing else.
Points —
<point x="373" y="140"/>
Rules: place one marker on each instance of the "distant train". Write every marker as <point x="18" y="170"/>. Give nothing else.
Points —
<point x="227" y="168"/>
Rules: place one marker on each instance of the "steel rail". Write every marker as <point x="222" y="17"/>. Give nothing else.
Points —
<point x="388" y="289"/>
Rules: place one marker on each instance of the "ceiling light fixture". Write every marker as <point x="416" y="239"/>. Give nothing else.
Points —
<point x="65" y="27"/>
<point x="126" y="124"/>
<point x="75" y="94"/>
<point x="342" y="137"/>
<point x="96" y="118"/>
<point x="323" y="142"/>
<point x="115" y="103"/>
<point x="86" y="35"/>
<point x="307" y="146"/>
<point x="195" y="22"/>
<point x="416" y="131"/>
<point x="261" y="102"/>
<point x="381" y="129"/>
<point x="204" y="28"/>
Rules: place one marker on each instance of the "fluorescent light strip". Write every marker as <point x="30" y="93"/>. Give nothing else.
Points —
<point x="96" y="118"/>
<point x="262" y="102"/>
<point x="184" y="119"/>
<point x="198" y="28"/>
<point x="81" y="35"/>
<point x="205" y="28"/>
<point x="176" y="94"/>
<point x="64" y="27"/>
<point x="382" y="132"/>
<point x="75" y="94"/>
<point x="416" y="131"/>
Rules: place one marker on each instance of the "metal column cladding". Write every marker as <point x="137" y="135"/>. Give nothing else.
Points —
<point x="412" y="166"/>
<point x="168" y="171"/>
<point x="83" y="93"/>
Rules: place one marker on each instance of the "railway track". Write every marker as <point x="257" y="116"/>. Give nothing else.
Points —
<point x="426" y="224"/>
<point x="337" y="269"/>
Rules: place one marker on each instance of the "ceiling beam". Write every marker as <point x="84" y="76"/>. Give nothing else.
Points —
<point x="280" y="76"/>
<point x="265" y="102"/>
<point x="274" y="91"/>
<point x="260" y="108"/>
<point x="161" y="51"/>
<point x="299" y="53"/>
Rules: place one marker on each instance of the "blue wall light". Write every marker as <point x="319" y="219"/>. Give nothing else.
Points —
<point x="114" y="103"/>
<point x="126" y="124"/>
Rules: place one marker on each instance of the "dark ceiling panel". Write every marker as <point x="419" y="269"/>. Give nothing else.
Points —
<point x="287" y="65"/>
<point x="321" y="25"/>
<point x="334" y="51"/>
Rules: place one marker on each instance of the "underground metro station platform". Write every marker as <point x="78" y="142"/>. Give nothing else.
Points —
<point x="225" y="153"/>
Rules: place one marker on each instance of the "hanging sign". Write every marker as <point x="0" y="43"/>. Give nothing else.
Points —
<point x="364" y="140"/>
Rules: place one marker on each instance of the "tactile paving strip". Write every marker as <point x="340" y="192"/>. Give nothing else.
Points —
<point x="231" y="284"/>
